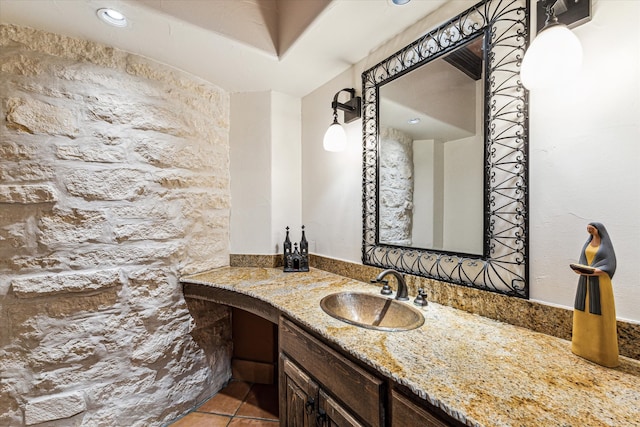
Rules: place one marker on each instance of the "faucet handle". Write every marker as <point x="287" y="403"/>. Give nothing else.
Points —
<point x="421" y="299"/>
<point x="386" y="289"/>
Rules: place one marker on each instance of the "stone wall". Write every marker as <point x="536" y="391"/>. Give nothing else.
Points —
<point x="114" y="181"/>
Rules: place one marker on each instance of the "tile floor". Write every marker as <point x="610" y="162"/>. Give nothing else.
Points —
<point x="238" y="404"/>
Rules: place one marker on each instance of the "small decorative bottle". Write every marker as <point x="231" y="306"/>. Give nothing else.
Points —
<point x="287" y="245"/>
<point x="304" y="252"/>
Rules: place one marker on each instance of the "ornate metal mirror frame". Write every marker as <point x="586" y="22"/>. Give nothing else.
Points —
<point x="503" y="266"/>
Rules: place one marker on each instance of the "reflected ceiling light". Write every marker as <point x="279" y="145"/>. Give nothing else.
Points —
<point x="335" y="139"/>
<point x="414" y="121"/>
<point x="555" y="55"/>
<point x="112" y="17"/>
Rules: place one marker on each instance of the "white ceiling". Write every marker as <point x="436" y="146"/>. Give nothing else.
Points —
<point x="289" y="46"/>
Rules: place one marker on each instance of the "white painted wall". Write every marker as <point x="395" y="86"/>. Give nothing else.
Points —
<point x="286" y="153"/>
<point x="250" y="154"/>
<point x="585" y="156"/>
<point x="463" y="194"/>
<point x="331" y="182"/>
<point x="265" y="171"/>
<point x="463" y="221"/>
<point x="584" y="160"/>
<point x="425" y="202"/>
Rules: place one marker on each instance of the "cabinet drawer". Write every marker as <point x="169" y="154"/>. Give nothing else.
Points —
<point x="358" y="390"/>
<point x="406" y="413"/>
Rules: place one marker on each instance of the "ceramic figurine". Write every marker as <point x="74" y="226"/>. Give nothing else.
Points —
<point x="595" y="336"/>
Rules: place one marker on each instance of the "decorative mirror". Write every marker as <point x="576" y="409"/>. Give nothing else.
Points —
<point x="445" y="151"/>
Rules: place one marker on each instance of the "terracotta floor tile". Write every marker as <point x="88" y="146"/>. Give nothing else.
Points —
<point x="261" y="402"/>
<point x="252" y="422"/>
<point x="228" y="400"/>
<point x="199" y="419"/>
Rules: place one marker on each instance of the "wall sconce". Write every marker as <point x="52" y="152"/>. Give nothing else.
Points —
<point x="555" y="55"/>
<point x="335" y="139"/>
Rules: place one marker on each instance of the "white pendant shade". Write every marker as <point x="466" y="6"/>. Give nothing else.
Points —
<point x="335" y="139"/>
<point x="553" y="59"/>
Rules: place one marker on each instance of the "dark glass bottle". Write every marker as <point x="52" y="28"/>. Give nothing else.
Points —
<point x="287" y="244"/>
<point x="304" y="245"/>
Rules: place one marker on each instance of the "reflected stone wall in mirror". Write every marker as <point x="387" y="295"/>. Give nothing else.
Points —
<point x="430" y="129"/>
<point x="447" y="198"/>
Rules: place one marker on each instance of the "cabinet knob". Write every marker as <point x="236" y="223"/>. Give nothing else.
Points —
<point x="321" y="417"/>
<point x="309" y="407"/>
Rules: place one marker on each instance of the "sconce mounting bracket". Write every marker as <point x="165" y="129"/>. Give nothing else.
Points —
<point x="569" y="12"/>
<point x="352" y="108"/>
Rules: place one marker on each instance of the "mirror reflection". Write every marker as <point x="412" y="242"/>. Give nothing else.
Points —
<point x="431" y="154"/>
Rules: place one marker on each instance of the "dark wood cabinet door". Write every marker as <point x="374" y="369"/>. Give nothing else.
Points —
<point x="306" y="405"/>
<point x="355" y="388"/>
<point x="332" y="414"/>
<point x="300" y="397"/>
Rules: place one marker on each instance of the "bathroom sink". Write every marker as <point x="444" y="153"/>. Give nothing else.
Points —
<point x="372" y="311"/>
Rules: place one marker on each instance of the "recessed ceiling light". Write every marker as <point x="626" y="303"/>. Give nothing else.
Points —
<point x="413" y="121"/>
<point x="112" y="17"/>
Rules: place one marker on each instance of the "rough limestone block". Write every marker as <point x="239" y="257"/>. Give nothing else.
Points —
<point x="10" y="151"/>
<point x="21" y="65"/>
<point x="139" y="116"/>
<point x="122" y="255"/>
<point x="27" y="171"/>
<point x="62" y="227"/>
<point x="110" y="184"/>
<point x="91" y="153"/>
<point x="32" y="116"/>
<point x="172" y="152"/>
<point x="160" y="230"/>
<point x="51" y="284"/>
<point x="127" y="388"/>
<point x="26" y="194"/>
<point x="54" y="407"/>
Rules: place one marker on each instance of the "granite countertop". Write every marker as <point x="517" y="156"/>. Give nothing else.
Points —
<point x="480" y="371"/>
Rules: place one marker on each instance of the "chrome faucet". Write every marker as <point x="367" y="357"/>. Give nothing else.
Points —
<point x="402" y="294"/>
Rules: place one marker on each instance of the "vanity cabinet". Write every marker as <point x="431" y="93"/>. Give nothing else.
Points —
<point x="320" y="387"/>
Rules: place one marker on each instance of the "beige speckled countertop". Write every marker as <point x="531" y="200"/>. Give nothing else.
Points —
<point x="482" y="372"/>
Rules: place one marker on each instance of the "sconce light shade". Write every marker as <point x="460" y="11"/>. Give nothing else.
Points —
<point x="335" y="139"/>
<point x="554" y="58"/>
<point x="555" y="55"/>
